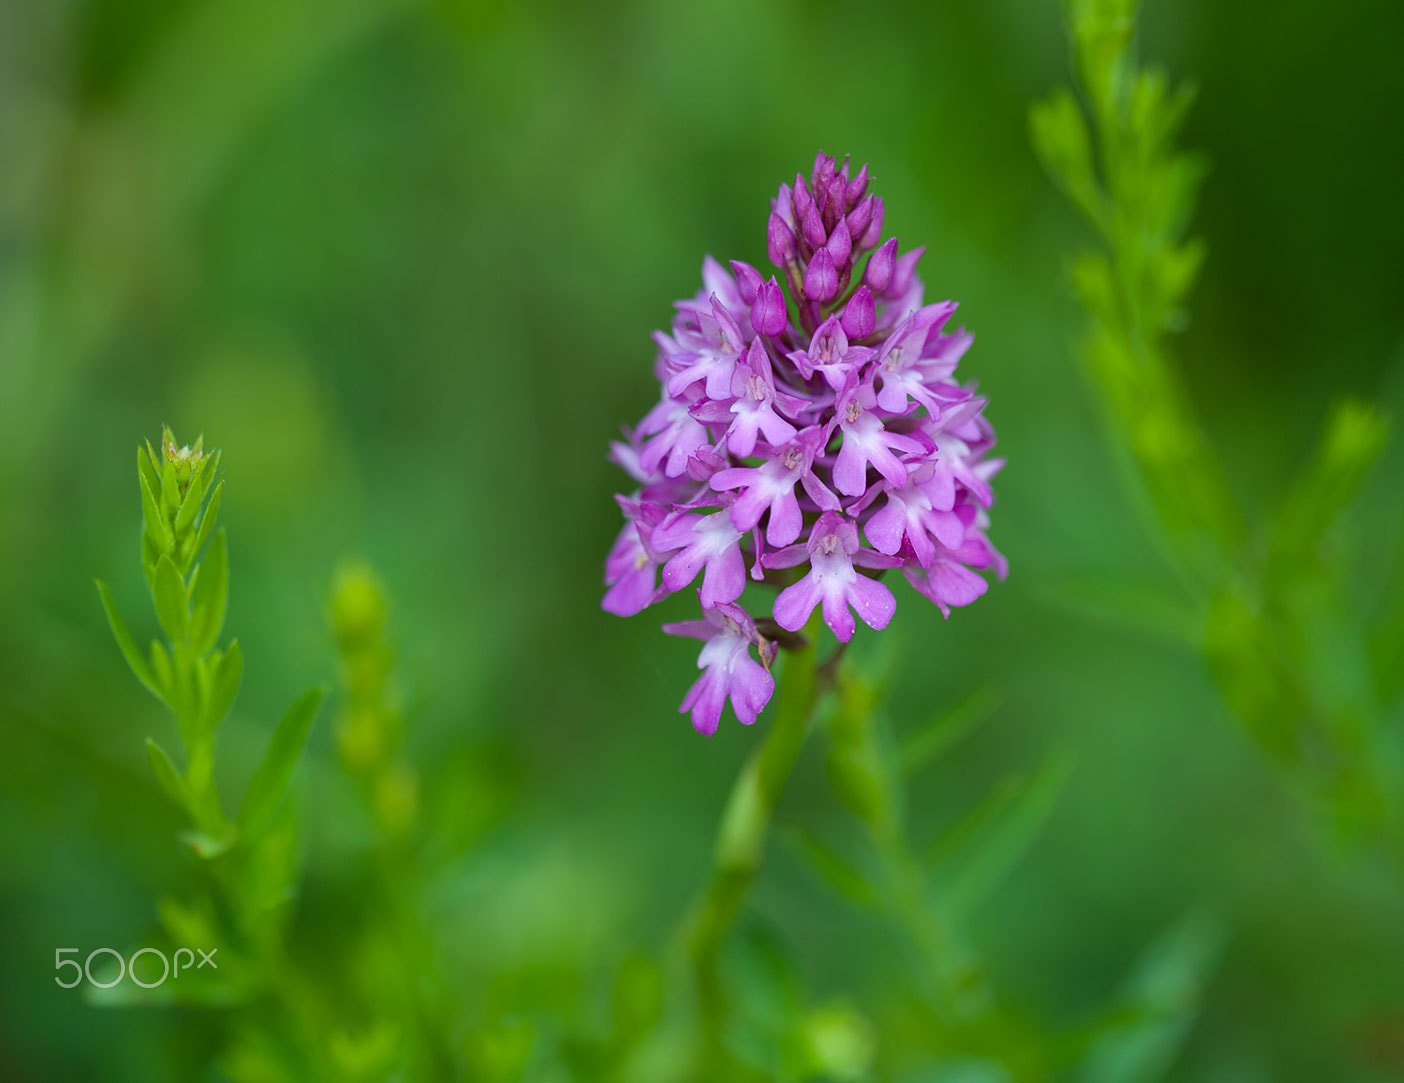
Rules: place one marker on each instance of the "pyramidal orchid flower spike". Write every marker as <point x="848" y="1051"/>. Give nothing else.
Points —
<point x="811" y="428"/>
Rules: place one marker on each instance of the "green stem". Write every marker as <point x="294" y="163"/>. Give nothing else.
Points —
<point x="746" y="825"/>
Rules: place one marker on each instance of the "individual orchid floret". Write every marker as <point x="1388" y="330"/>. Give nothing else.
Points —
<point x="719" y="342"/>
<point x="730" y="672"/>
<point x="631" y="569"/>
<point x="707" y="542"/>
<point x="771" y="488"/>
<point x="675" y="435"/>
<point x="914" y="514"/>
<point x="756" y="400"/>
<point x="950" y="580"/>
<point x="830" y="354"/>
<point x="867" y="443"/>
<point x="904" y="373"/>
<point x="812" y="434"/>
<point x="833" y="582"/>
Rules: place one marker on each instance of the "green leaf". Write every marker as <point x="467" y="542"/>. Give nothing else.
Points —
<point x="166" y="774"/>
<point x="194" y="494"/>
<point x="985" y="845"/>
<point x="211" y="597"/>
<point x="1354" y="437"/>
<point x="1061" y="140"/>
<point x="165" y="672"/>
<point x="1146" y="605"/>
<point x="1143" y="1033"/>
<point x="832" y="868"/>
<point x="172" y="606"/>
<point x="157" y="529"/>
<point x="127" y="645"/>
<point x="170" y="491"/>
<point x="207" y="521"/>
<point x="948" y="727"/>
<point x="269" y="784"/>
<point x="223" y="688"/>
<point x="146" y="468"/>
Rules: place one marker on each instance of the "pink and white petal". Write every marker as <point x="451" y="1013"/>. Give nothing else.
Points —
<point x="884" y="530"/>
<point x="725" y="578"/>
<point x="836" y="614"/>
<point x="705" y="699"/>
<point x="796" y="603"/>
<point x="786" y="521"/>
<point x="851" y="468"/>
<point x="751" y="689"/>
<point x="873" y="601"/>
<point x="682" y="568"/>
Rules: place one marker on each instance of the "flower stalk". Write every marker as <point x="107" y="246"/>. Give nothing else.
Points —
<point x="747" y="820"/>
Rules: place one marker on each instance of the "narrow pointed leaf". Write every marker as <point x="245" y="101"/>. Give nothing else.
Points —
<point x="191" y="504"/>
<point x="170" y="491"/>
<point x="833" y="868"/>
<point x="146" y="469"/>
<point x="207" y="521"/>
<point x="1146" y="1027"/>
<point x="1140" y="605"/>
<point x="166" y="774"/>
<point x="948" y="727"/>
<point x="127" y="645"/>
<point x="984" y="846"/>
<point x="269" y="784"/>
<point x="156" y="527"/>
<point x="224" y="687"/>
<point x="161" y="666"/>
<point x="172" y="606"/>
<point x="211" y="596"/>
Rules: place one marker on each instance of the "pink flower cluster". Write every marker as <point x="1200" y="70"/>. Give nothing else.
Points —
<point x="811" y="429"/>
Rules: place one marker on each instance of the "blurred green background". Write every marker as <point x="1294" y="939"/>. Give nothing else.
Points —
<point x="400" y="261"/>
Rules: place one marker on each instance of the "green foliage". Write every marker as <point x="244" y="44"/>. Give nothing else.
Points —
<point x="269" y="785"/>
<point x="1278" y="632"/>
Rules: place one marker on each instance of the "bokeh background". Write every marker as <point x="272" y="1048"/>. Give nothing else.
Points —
<point x="400" y="261"/>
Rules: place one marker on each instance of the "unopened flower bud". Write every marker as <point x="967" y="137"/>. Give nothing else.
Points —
<point x="800" y="199"/>
<point x="768" y="313"/>
<point x="748" y="280"/>
<point x="820" y="277"/>
<point x="860" y="315"/>
<point x="857" y="186"/>
<point x="779" y="241"/>
<point x="880" y="264"/>
<point x="840" y="245"/>
<point x="813" y="228"/>
<point x="859" y="217"/>
<point x="873" y="236"/>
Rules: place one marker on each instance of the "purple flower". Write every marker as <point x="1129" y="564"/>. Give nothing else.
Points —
<point x="772" y="488"/>
<point x="731" y="673"/>
<point x="832" y="580"/>
<point x="867" y="443"/>
<point x="830" y="354"/>
<point x="814" y="421"/>
<point x="703" y="542"/>
<point x="631" y="569"/>
<point x="752" y="411"/>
